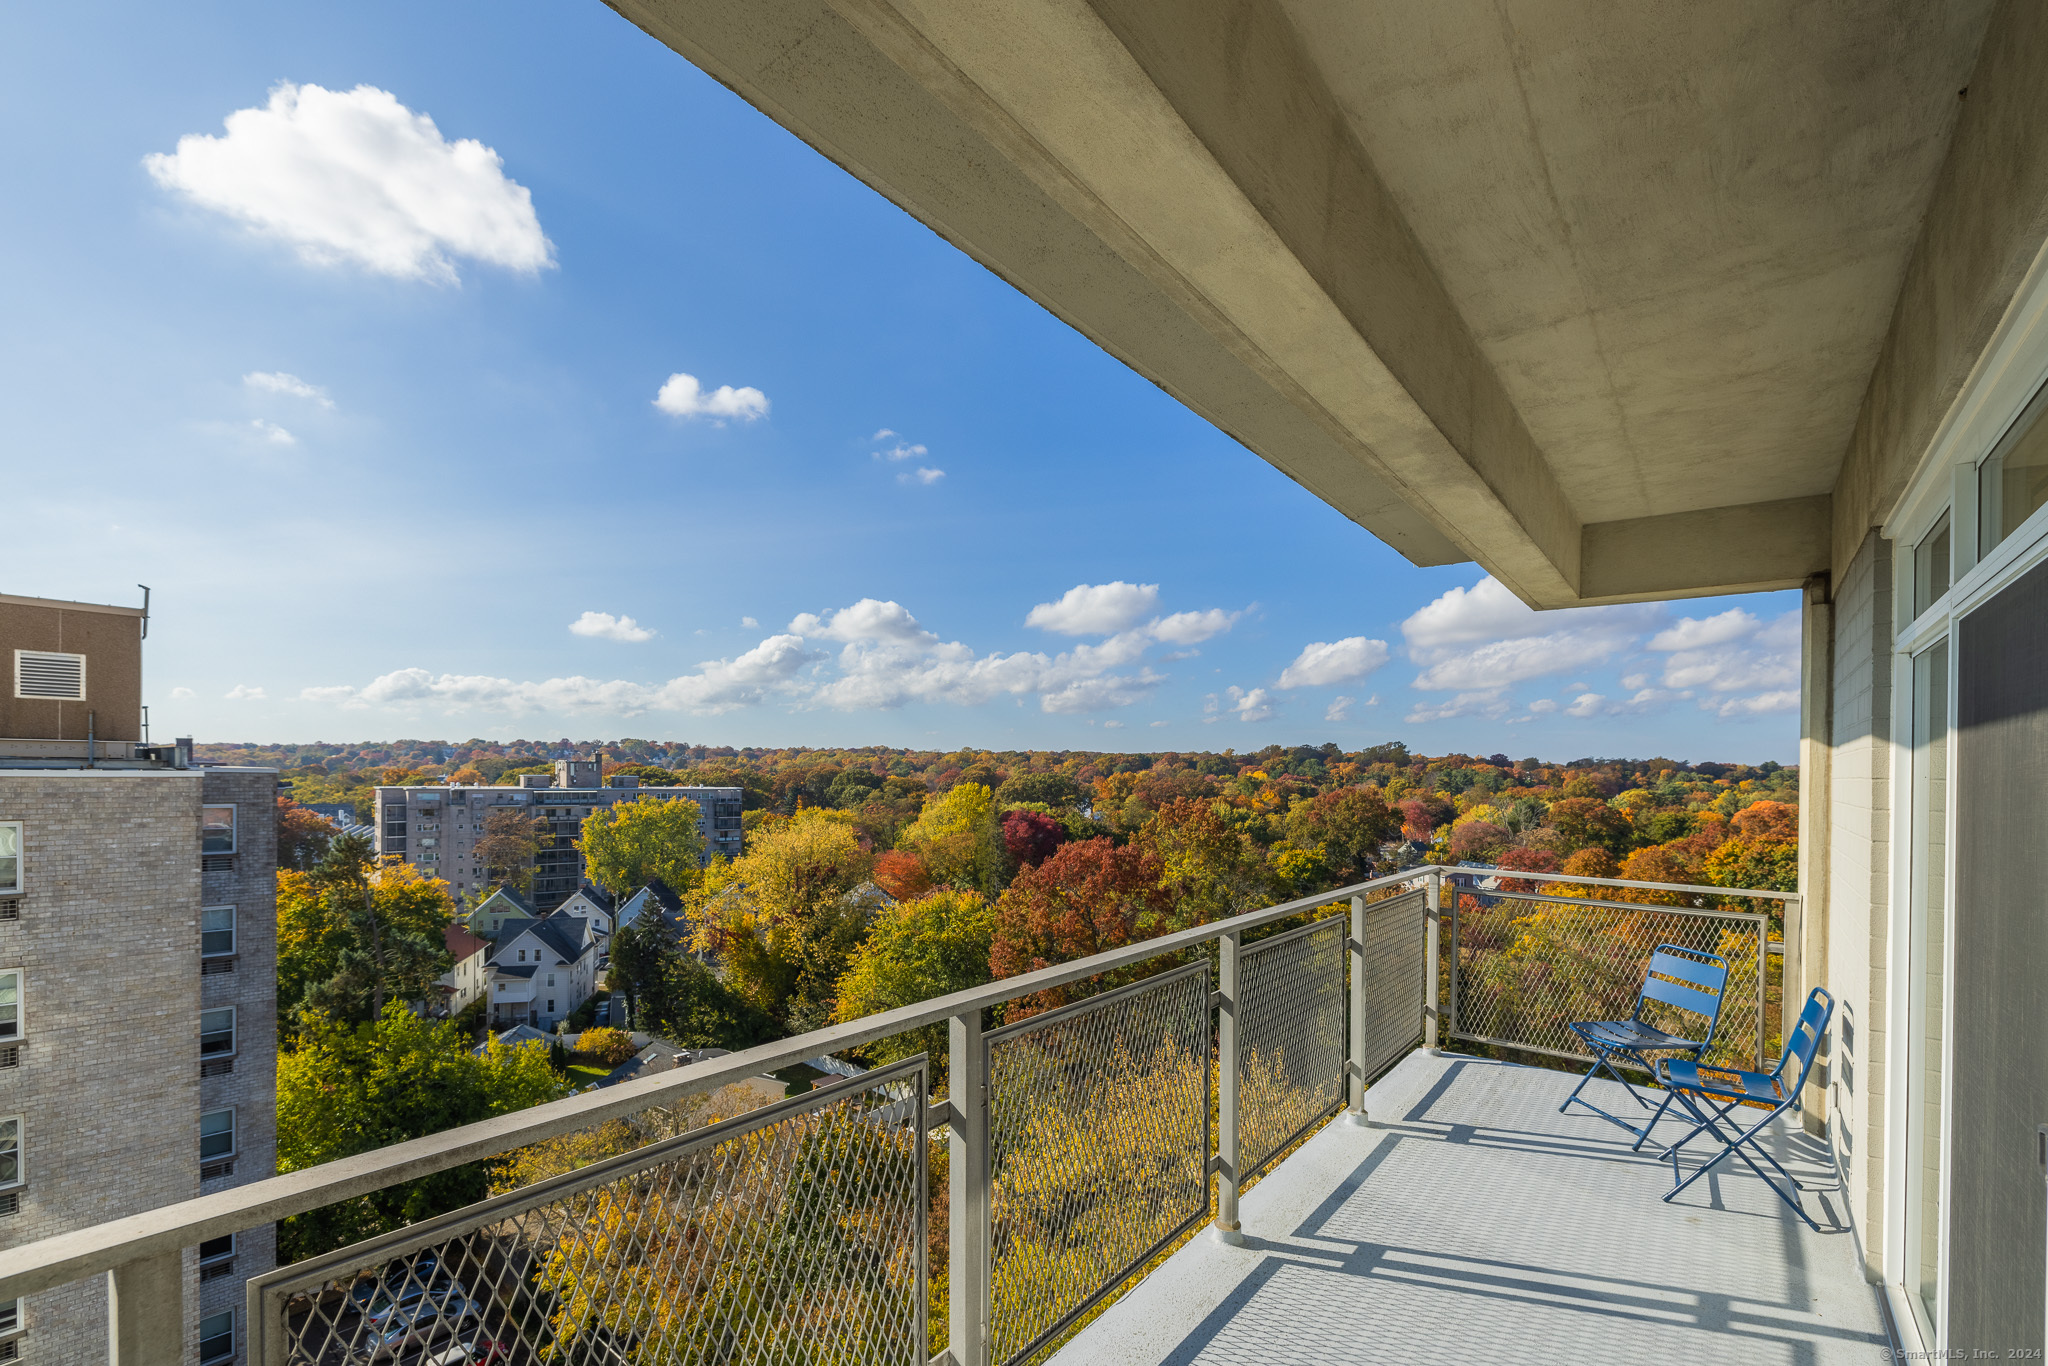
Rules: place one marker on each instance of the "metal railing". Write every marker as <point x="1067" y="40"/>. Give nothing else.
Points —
<point x="1079" y="1145"/>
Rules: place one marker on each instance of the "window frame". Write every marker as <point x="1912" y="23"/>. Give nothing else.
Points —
<point x="216" y="1258"/>
<point x="229" y="951"/>
<point x="20" y="883"/>
<point x="233" y="1033"/>
<point x="20" y="696"/>
<point x="12" y="1319"/>
<point x="20" y="1006"/>
<point x="20" y="1152"/>
<point x="233" y="1132"/>
<point x="228" y="1355"/>
<point x="234" y="824"/>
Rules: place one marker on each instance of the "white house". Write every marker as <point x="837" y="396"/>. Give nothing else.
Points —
<point x="591" y="903"/>
<point x="542" y="971"/>
<point x="470" y="977"/>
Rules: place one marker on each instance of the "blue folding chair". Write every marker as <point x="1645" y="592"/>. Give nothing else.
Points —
<point x="1678" y="976"/>
<point x="1711" y="1094"/>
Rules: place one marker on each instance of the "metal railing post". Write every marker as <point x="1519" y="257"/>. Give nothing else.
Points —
<point x="967" y="1326"/>
<point x="1451" y="971"/>
<point x="1763" y="970"/>
<point x="1354" y="1057"/>
<point x="1227" y="1149"/>
<point x="146" y="1312"/>
<point x="1432" y="970"/>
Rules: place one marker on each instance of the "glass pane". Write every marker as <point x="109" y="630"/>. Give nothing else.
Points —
<point x="217" y="830"/>
<point x="10" y="1315"/>
<point x="1927" y="938"/>
<point x="2014" y="481"/>
<point x="217" y="918"/>
<point x="217" y="1134"/>
<point x="10" y="858"/>
<point x="1930" y="567"/>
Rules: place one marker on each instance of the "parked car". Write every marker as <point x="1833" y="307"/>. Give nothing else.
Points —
<point x="421" y="1267"/>
<point x="478" y="1351"/>
<point x="422" y="1324"/>
<point x="399" y="1300"/>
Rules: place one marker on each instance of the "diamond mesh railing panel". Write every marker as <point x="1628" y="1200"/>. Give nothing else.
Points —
<point x="1290" y="1037"/>
<point x="1529" y="965"/>
<point x="1395" y="946"/>
<point x="794" y="1233"/>
<point x="1098" y="1150"/>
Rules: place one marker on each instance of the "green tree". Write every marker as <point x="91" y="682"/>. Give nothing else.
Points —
<point x="933" y="946"/>
<point x="347" y="1089"/>
<point x="630" y="844"/>
<point x="960" y="838"/>
<point x="353" y="937"/>
<point x="1583" y="821"/>
<point x="1350" y="824"/>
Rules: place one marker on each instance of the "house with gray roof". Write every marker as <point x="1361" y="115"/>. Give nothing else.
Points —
<point x="541" y="970"/>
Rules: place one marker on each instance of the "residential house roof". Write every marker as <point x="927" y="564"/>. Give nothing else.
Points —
<point x="461" y="943"/>
<point x="517" y="1034"/>
<point x="515" y="969"/>
<point x="596" y="896"/>
<point x="518" y="902"/>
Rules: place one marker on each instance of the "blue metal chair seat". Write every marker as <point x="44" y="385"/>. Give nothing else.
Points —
<point x="1712" y="1094"/>
<point x="1686" y="978"/>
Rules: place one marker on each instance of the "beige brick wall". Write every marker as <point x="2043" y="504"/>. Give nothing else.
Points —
<point x="108" y="1085"/>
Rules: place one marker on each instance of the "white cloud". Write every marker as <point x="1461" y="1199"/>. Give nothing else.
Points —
<point x="1487" y="703"/>
<point x="1337" y="661"/>
<point x="278" y="382"/>
<point x="340" y="693"/>
<point x="1157" y="724"/>
<point x="1339" y="709"/>
<point x="182" y="693"/>
<point x="1096" y="609"/>
<point x="683" y="396"/>
<point x="750" y="624"/>
<point x="272" y="433"/>
<point x="883" y="435"/>
<point x="1254" y="705"/>
<point x="1763" y="704"/>
<point x="900" y="451"/>
<point x="868" y="619"/>
<point x="1695" y="633"/>
<point x="354" y="176"/>
<point x="605" y="626"/>
<point x="1543" y="706"/>
<point x="1584" y="705"/>
<point x="243" y="692"/>
<point x="1192" y="628"/>
<point x="1112" y="725"/>
<point x="1484" y="638"/>
<point x="921" y="475"/>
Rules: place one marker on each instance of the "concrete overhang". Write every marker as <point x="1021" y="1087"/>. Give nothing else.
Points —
<point x="1591" y="295"/>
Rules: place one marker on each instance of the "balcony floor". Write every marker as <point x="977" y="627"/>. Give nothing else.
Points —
<point x="1474" y="1222"/>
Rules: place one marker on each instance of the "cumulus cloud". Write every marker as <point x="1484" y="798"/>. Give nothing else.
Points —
<point x="883" y="435"/>
<point x="1334" y="661"/>
<point x="1095" y="609"/>
<point x="278" y="382"/>
<point x="1249" y="705"/>
<point x="356" y="177"/>
<point x="244" y="692"/>
<point x="1484" y="638"/>
<point x="900" y="451"/>
<point x="1489" y="704"/>
<point x="1192" y="628"/>
<point x="683" y="396"/>
<point x="1339" y="709"/>
<point x="750" y="624"/>
<point x="182" y="693"/>
<point x="1696" y="633"/>
<point x="272" y="433"/>
<point x="921" y="475"/>
<point x="605" y="626"/>
<point x="1763" y="704"/>
<point x="1584" y="705"/>
<point x="1730" y="653"/>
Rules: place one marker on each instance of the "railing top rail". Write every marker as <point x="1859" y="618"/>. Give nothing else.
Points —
<point x="1528" y="876"/>
<point x="98" y="1248"/>
<point x="1710" y="912"/>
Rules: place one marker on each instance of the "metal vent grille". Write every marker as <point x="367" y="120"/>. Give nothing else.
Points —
<point x="10" y="1350"/>
<point x="10" y="908"/>
<point x="216" y="863"/>
<point x="211" y="1171"/>
<point x="217" y="1067"/>
<point x="10" y="1056"/>
<point x="216" y="1270"/>
<point x="10" y="1202"/>
<point x="214" y="967"/>
<point x="49" y="676"/>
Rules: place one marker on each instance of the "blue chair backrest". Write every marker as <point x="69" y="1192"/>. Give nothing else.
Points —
<point x="1688" y="979"/>
<point x="1805" y="1039"/>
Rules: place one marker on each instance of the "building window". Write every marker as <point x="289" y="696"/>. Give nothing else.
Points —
<point x="216" y="1135"/>
<point x="216" y="931"/>
<point x="217" y="1336"/>
<point x="10" y="858"/>
<point x="217" y="1033"/>
<point x="522" y="955"/>
<point x="2013" y="482"/>
<point x="10" y="1152"/>
<point x="217" y="1257"/>
<point x="217" y="829"/>
<point x="10" y="1006"/>
<point x="10" y="1316"/>
<point x="551" y="1005"/>
<point x="47" y="676"/>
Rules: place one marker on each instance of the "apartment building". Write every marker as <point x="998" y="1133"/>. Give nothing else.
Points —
<point x="138" y="975"/>
<point x="436" y="829"/>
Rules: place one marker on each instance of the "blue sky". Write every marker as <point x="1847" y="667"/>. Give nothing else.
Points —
<point x="374" y="412"/>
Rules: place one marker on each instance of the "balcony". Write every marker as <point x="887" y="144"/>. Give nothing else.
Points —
<point x="1235" y="1142"/>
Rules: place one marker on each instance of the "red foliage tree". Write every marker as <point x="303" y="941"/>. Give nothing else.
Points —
<point x="902" y="875"/>
<point x="1088" y="897"/>
<point x="1527" y="861"/>
<point x="1031" y="836"/>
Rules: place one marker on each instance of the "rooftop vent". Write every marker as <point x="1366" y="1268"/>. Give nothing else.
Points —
<point x="49" y="676"/>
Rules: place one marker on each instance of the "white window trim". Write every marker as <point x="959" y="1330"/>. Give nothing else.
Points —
<point x="234" y="1135"/>
<point x="234" y="1032"/>
<point x="233" y="931"/>
<point x="8" y="1330"/>
<point x="20" y="830"/>
<point x="220" y="1257"/>
<point x="21" y="696"/>
<point x="234" y="827"/>
<point x="233" y="1345"/>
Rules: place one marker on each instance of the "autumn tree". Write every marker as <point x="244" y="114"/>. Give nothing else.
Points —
<point x="933" y="946"/>
<point x="1208" y="868"/>
<point x="1029" y="837"/>
<point x="1090" y="896"/>
<point x="302" y="835"/>
<point x="1350" y="824"/>
<point x="902" y="874"/>
<point x="630" y="844"/>
<point x="1583" y="821"/>
<point x="508" y="845"/>
<point x="353" y="937"/>
<point x="781" y="917"/>
<point x="959" y="837"/>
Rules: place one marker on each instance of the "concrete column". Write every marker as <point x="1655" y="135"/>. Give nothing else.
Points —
<point x="1806" y="943"/>
<point x="146" y="1312"/>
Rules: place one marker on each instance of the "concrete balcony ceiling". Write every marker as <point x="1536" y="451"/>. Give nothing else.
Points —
<point x="1592" y="294"/>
